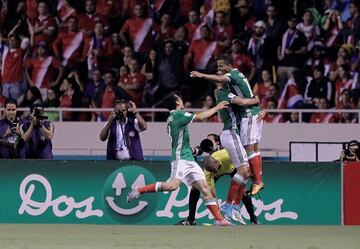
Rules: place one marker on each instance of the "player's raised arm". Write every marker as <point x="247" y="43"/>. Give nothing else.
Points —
<point x="210" y="77"/>
<point x="208" y="113"/>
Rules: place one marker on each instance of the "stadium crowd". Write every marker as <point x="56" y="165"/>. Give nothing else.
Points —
<point x="88" y="53"/>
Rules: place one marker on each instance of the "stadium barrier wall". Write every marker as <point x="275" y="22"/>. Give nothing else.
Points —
<point x="94" y="192"/>
<point x="75" y="138"/>
<point x="351" y="193"/>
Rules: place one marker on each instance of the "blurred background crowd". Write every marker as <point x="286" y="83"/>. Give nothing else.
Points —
<point x="88" y="53"/>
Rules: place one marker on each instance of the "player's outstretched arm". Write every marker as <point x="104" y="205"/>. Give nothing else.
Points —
<point x="208" y="113"/>
<point x="244" y="101"/>
<point x="210" y="77"/>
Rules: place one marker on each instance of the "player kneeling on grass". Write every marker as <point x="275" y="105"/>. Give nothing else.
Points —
<point x="183" y="165"/>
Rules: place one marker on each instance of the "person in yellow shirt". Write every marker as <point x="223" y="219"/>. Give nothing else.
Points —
<point x="217" y="165"/>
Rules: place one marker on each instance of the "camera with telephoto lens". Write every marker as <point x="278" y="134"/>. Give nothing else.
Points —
<point x="197" y="151"/>
<point x="39" y="113"/>
<point x="119" y="115"/>
<point x="206" y="145"/>
<point x="347" y="152"/>
<point x="12" y="140"/>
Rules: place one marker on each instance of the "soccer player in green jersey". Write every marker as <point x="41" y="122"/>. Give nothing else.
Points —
<point x="183" y="165"/>
<point x="250" y="128"/>
<point x="231" y="141"/>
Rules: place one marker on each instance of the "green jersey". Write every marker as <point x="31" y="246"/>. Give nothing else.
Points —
<point x="178" y="131"/>
<point x="240" y="86"/>
<point x="229" y="116"/>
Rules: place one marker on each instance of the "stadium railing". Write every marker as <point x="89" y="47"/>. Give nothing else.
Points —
<point x="151" y="112"/>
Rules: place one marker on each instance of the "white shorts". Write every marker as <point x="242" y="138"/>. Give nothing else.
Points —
<point x="230" y="140"/>
<point x="186" y="171"/>
<point x="250" y="130"/>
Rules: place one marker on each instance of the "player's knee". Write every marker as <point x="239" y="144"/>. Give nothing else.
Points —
<point x="244" y="170"/>
<point x="169" y="186"/>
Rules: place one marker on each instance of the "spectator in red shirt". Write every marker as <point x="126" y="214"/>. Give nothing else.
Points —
<point x="261" y="89"/>
<point x="322" y="117"/>
<point x="71" y="90"/>
<point x="43" y="71"/>
<point x="98" y="49"/>
<point x="109" y="8"/>
<point x="221" y="32"/>
<point x="182" y="9"/>
<point x="343" y="82"/>
<point x="69" y="44"/>
<point x="88" y="20"/>
<point x="109" y="94"/>
<point x="139" y="30"/>
<point x="117" y="50"/>
<point x="273" y="117"/>
<point x="44" y="25"/>
<point x="65" y="10"/>
<point x="128" y="54"/>
<point x="193" y="26"/>
<point x="12" y="66"/>
<point x="208" y="103"/>
<point x="134" y="83"/>
<point x="241" y="60"/>
<point x="201" y="51"/>
<point x="332" y="26"/>
<point x="165" y="30"/>
<point x="272" y="94"/>
<point x="31" y="9"/>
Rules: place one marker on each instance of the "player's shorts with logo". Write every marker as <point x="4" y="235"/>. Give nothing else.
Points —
<point x="230" y="140"/>
<point x="186" y="171"/>
<point x="250" y="130"/>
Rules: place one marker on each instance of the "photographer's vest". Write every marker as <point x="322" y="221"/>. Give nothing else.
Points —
<point x="132" y="140"/>
<point x="6" y="152"/>
<point x="38" y="147"/>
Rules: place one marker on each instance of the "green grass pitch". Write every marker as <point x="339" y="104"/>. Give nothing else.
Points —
<point x="24" y="236"/>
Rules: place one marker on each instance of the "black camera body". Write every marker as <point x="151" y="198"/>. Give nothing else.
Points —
<point x="39" y="113"/>
<point x="12" y="140"/>
<point x="347" y="152"/>
<point x="197" y="151"/>
<point x="119" y="115"/>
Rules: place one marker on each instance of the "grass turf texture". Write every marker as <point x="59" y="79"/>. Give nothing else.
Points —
<point x="23" y="236"/>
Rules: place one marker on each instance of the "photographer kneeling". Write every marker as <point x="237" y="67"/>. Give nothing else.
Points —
<point x="38" y="134"/>
<point x="11" y="142"/>
<point x="122" y="131"/>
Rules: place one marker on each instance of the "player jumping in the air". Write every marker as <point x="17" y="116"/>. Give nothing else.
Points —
<point x="250" y="128"/>
<point x="183" y="166"/>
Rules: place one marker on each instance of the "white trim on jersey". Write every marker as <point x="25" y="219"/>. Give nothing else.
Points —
<point x="42" y="72"/>
<point x="205" y="58"/>
<point x="75" y="43"/>
<point x="179" y="143"/>
<point x="5" y="52"/>
<point x="142" y="33"/>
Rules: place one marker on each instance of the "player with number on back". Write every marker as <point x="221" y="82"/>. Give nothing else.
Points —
<point x="183" y="166"/>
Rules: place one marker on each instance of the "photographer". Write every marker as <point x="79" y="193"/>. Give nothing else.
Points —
<point x="11" y="143"/>
<point x="352" y="152"/>
<point x="38" y="134"/>
<point x="122" y="131"/>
